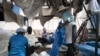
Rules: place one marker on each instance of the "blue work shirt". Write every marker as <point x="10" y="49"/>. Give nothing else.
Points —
<point x="18" y="44"/>
<point x="58" y="40"/>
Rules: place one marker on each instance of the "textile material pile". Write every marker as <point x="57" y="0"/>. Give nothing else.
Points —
<point x="5" y="35"/>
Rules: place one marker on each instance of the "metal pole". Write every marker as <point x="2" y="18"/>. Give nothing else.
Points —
<point x="97" y="31"/>
<point x="97" y="34"/>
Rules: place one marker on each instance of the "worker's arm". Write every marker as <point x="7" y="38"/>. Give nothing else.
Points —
<point x="9" y="46"/>
<point x="26" y="42"/>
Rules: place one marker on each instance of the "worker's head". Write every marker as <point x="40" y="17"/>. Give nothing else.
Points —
<point x="20" y="31"/>
<point x="44" y="29"/>
<point x="62" y="10"/>
<point x="29" y="30"/>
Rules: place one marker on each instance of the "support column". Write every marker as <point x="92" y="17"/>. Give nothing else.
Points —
<point x="97" y="34"/>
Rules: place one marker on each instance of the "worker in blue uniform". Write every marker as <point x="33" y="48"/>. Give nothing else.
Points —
<point x="58" y="40"/>
<point x="18" y="44"/>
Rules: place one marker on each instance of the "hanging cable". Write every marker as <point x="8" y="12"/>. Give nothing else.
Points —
<point x="89" y="18"/>
<point x="85" y="23"/>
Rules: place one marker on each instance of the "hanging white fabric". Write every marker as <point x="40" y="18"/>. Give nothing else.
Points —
<point x="10" y="16"/>
<point x="94" y="6"/>
<point x="30" y="7"/>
